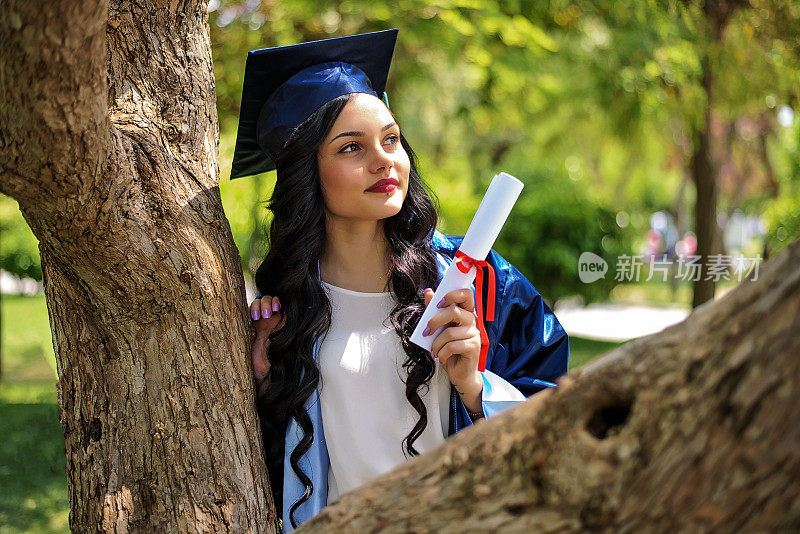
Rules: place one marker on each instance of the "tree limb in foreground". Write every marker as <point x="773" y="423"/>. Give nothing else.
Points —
<point x="696" y="428"/>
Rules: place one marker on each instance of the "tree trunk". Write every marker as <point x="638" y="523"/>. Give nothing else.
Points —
<point x="705" y="211"/>
<point x="716" y="14"/>
<point x="694" y="429"/>
<point x="108" y="141"/>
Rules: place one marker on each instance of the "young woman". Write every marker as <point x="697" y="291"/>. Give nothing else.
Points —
<point x="343" y="395"/>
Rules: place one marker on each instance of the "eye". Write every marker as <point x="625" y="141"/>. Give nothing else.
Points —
<point x="345" y="147"/>
<point x="394" y="139"/>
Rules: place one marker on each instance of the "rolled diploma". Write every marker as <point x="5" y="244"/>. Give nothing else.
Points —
<point x="492" y="213"/>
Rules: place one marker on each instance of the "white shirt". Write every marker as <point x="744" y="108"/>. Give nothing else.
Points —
<point x="365" y="413"/>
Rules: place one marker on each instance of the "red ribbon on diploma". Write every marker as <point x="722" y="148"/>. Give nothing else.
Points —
<point x="464" y="264"/>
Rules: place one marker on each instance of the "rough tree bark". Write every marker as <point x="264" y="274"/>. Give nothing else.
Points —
<point x="109" y="142"/>
<point x="694" y="429"/>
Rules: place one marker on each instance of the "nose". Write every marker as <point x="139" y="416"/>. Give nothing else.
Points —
<point x="381" y="160"/>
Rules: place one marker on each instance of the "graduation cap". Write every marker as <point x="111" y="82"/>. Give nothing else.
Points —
<point x="284" y="85"/>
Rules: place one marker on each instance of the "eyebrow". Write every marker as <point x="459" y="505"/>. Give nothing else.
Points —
<point x="359" y="134"/>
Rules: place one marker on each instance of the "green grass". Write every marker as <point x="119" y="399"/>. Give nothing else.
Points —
<point x="583" y="350"/>
<point x="33" y="482"/>
<point x="26" y="340"/>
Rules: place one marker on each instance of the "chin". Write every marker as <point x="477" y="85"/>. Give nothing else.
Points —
<point x="391" y="207"/>
<point x="396" y="199"/>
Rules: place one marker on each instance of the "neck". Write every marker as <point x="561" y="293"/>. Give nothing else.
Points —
<point x="357" y="256"/>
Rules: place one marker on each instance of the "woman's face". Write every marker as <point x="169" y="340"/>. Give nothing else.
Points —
<point x="362" y="148"/>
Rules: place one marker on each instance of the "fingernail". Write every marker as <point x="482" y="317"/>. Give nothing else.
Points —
<point x="440" y="303"/>
<point x="427" y="331"/>
<point x="276" y="306"/>
<point x="255" y="315"/>
<point x="427" y="289"/>
<point x="266" y="313"/>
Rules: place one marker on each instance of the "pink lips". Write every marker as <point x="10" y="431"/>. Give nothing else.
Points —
<point x="384" y="185"/>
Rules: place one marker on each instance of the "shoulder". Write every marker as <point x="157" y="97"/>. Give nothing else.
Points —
<point x="444" y="244"/>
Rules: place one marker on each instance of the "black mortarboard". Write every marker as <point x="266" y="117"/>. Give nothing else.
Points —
<point x="284" y="85"/>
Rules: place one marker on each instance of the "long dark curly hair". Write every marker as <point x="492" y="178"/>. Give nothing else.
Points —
<point x="290" y="270"/>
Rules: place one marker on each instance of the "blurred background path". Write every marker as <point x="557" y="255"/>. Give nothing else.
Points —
<point x="617" y="322"/>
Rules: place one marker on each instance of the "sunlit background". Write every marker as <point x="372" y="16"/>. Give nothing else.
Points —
<point x="604" y="110"/>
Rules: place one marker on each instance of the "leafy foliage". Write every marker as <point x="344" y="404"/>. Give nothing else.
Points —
<point x="19" y="248"/>
<point x="552" y="224"/>
<point x="600" y="97"/>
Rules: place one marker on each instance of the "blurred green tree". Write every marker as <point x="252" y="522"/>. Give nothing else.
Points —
<point x="695" y="87"/>
<point x="19" y="248"/>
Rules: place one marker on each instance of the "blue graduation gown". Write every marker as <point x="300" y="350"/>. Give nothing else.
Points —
<point x="528" y="352"/>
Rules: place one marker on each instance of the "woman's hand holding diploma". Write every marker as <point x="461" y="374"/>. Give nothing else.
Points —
<point x="458" y="346"/>
<point x="469" y="259"/>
